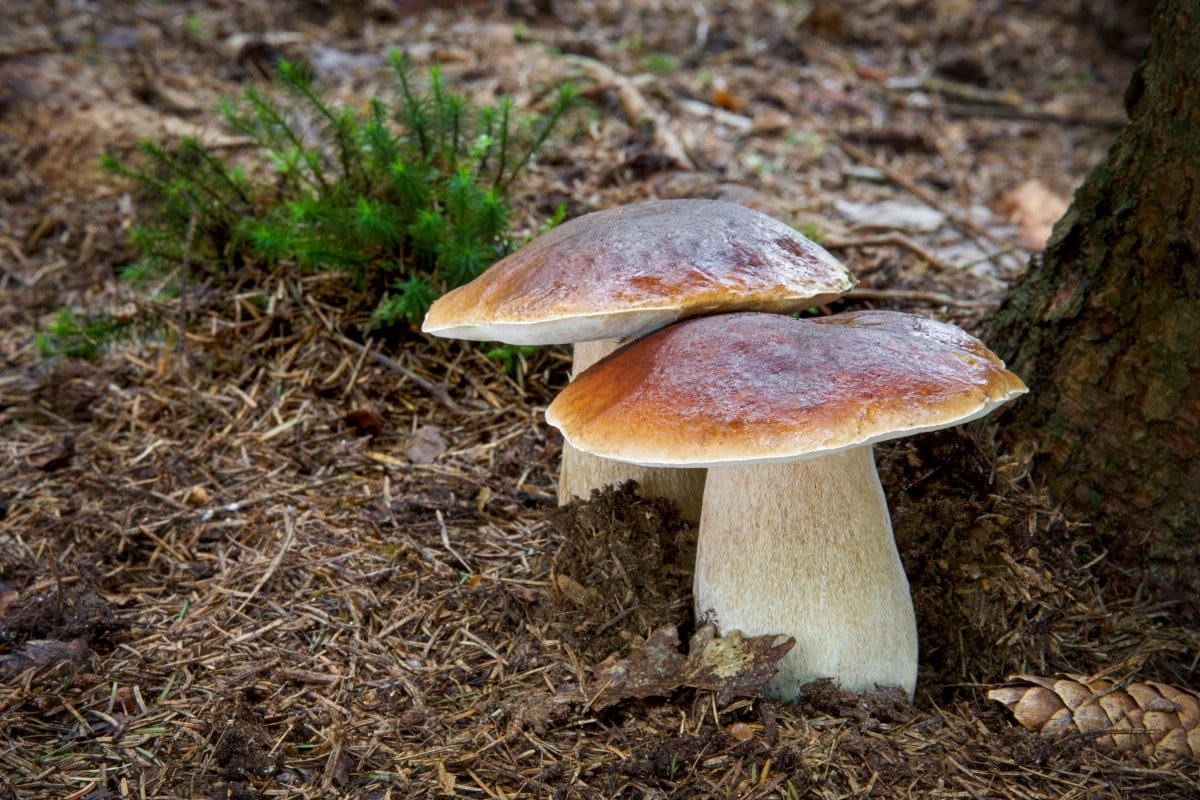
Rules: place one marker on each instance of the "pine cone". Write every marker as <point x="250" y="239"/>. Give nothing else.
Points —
<point x="1156" y="718"/>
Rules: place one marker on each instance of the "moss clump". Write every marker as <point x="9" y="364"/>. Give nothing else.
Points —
<point x="410" y="201"/>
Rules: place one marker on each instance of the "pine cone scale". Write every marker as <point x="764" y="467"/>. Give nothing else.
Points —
<point x="1155" y="718"/>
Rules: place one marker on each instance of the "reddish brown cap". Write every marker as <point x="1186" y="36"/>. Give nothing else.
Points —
<point x="746" y="388"/>
<point x="631" y="269"/>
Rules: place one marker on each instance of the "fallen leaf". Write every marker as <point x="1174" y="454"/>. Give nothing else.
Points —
<point x="891" y="215"/>
<point x="365" y="420"/>
<point x="342" y="769"/>
<point x="651" y="670"/>
<point x="55" y="456"/>
<point x="1035" y="208"/>
<point x="446" y="780"/>
<point x="8" y="596"/>
<point x="38" y="653"/>
<point x="426" y="445"/>
<point x="731" y="666"/>
<point x="576" y="592"/>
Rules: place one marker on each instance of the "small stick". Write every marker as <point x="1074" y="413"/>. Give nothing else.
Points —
<point x="637" y="108"/>
<point x="58" y="588"/>
<point x="438" y="392"/>
<point x="960" y="184"/>
<point x="446" y="543"/>
<point x="1108" y="122"/>
<point x="933" y="298"/>
<point x="926" y="196"/>
<point x="893" y="238"/>
<point x="288" y="537"/>
<point x="185" y="269"/>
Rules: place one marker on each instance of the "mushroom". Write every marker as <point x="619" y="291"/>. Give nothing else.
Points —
<point x="795" y="536"/>
<point x="611" y="275"/>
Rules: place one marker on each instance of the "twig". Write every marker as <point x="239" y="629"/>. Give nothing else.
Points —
<point x="933" y="298"/>
<point x="637" y="108"/>
<point x="926" y="196"/>
<point x="185" y="270"/>
<point x="306" y="676"/>
<point x="12" y="246"/>
<point x="939" y="146"/>
<point x="58" y="587"/>
<point x="977" y="101"/>
<point x="288" y="537"/>
<point x="1107" y="122"/>
<point x="436" y="391"/>
<point x="446" y="542"/>
<point x="895" y="238"/>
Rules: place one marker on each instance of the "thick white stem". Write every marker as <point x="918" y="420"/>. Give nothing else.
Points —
<point x="580" y="473"/>
<point x="805" y="549"/>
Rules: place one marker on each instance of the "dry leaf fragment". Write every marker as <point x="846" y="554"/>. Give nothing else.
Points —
<point x="38" y="653"/>
<point x="576" y="592"/>
<point x="53" y="456"/>
<point x="731" y="666"/>
<point x="426" y="446"/>
<point x="722" y="97"/>
<point x="196" y="496"/>
<point x="8" y="596"/>
<point x="446" y="780"/>
<point x="740" y="731"/>
<point x="365" y="420"/>
<point x="653" y="669"/>
<point x="1157" y="718"/>
<point x="1035" y="207"/>
<point x="891" y="215"/>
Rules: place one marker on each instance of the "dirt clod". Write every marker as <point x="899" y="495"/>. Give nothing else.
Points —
<point x="824" y="698"/>
<point x="241" y="745"/>
<point x="622" y="570"/>
<point x="39" y="653"/>
<point x="72" y="609"/>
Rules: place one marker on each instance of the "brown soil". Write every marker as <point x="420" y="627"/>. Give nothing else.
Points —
<point x="63" y="610"/>
<point x="621" y="570"/>
<point x="253" y="560"/>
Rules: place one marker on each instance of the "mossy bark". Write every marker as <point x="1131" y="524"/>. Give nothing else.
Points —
<point x="1105" y="327"/>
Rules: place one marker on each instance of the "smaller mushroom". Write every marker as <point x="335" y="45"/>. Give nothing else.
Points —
<point x="795" y="536"/>
<point x="622" y="272"/>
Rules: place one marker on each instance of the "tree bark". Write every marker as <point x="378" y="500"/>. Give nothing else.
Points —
<point x="1105" y="327"/>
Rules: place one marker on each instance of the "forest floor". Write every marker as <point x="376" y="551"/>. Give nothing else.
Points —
<point x="252" y="559"/>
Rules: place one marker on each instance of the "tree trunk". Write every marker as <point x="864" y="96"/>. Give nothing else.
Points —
<point x="1105" y="328"/>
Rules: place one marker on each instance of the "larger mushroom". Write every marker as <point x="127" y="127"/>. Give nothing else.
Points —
<point x="795" y="536"/>
<point x="611" y="275"/>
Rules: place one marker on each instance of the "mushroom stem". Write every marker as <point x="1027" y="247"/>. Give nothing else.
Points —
<point x="580" y="472"/>
<point x="805" y="549"/>
<point x="585" y="354"/>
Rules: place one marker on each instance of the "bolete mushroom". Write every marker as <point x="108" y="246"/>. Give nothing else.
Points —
<point x="611" y="275"/>
<point x="795" y="536"/>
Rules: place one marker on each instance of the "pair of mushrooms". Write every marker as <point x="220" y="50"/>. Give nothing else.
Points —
<point x="759" y="424"/>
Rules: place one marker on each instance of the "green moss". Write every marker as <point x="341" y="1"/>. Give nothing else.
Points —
<point x="73" y="336"/>
<point x="410" y="200"/>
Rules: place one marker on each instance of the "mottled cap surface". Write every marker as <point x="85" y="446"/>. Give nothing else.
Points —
<point x="752" y="388"/>
<point x="632" y="269"/>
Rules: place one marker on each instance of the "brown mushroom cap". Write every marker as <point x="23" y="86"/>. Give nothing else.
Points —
<point x="752" y="388"/>
<point x="631" y="269"/>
